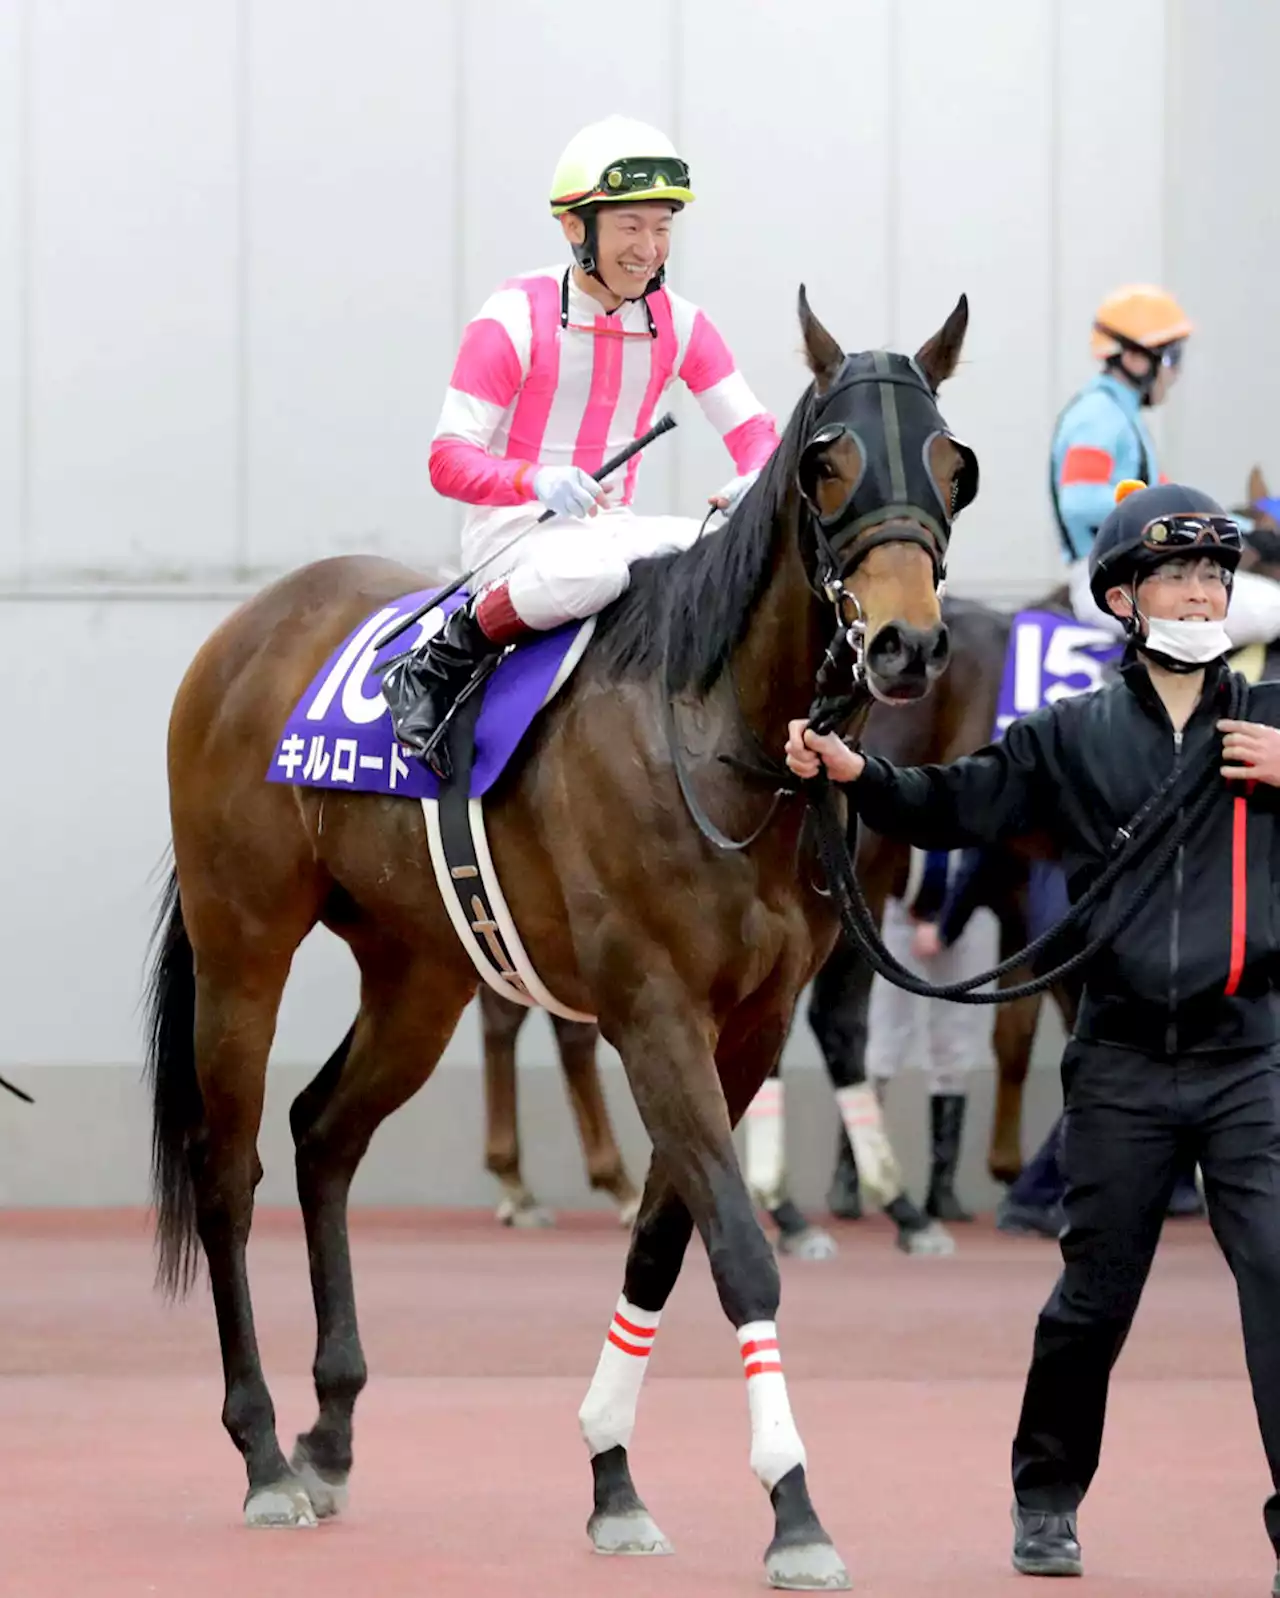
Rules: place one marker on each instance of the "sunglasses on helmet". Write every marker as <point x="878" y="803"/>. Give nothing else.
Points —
<point x="635" y="175"/>
<point x="1191" y="530"/>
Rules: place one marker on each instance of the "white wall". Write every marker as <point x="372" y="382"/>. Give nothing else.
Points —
<point x="238" y="239"/>
<point x="1223" y="232"/>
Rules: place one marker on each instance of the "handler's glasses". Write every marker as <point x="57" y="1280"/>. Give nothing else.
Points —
<point x="1191" y="530"/>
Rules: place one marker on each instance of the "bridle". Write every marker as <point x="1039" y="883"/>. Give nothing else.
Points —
<point x="877" y="400"/>
<point x="894" y="500"/>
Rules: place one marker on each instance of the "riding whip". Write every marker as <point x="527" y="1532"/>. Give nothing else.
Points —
<point x="663" y="425"/>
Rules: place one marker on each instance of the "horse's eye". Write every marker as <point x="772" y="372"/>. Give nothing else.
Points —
<point x="827" y="472"/>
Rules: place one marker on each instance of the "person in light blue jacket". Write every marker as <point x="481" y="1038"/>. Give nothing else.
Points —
<point x="1101" y="439"/>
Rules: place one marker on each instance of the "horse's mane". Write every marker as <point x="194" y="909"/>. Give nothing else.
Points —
<point x="692" y="607"/>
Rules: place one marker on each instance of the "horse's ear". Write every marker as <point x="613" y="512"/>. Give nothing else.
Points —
<point x="939" y="358"/>
<point x="1257" y="486"/>
<point x="824" y="355"/>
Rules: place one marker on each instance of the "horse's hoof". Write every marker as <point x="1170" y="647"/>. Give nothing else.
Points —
<point x="526" y="1214"/>
<point x="811" y="1244"/>
<point x="931" y="1241"/>
<point x="809" y="1567"/>
<point x="327" y="1492"/>
<point x="632" y="1532"/>
<point x="284" y="1503"/>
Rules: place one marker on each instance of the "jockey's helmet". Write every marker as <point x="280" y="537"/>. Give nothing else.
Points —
<point x="1139" y="317"/>
<point x="618" y="160"/>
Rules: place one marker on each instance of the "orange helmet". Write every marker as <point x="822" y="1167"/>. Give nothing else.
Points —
<point x="1140" y="315"/>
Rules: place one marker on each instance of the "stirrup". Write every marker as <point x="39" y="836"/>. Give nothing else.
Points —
<point x="435" y="751"/>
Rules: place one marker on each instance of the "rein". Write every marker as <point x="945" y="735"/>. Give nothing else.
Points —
<point x="839" y="540"/>
<point x="1189" y="795"/>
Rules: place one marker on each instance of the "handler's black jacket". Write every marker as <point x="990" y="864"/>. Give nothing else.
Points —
<point x="1081" y="769"/>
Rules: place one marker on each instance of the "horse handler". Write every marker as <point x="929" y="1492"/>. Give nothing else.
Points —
<point x="1176" y="1051"/>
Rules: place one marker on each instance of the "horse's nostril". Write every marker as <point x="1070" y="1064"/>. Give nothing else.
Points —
<point x="901" y="651"/>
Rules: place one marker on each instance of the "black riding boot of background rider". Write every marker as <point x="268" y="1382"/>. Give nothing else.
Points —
<point x="946" y="1126"/>
<point x="421" y="689"/>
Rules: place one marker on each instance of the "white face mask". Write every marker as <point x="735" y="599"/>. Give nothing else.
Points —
<point x="1194" y="643"/>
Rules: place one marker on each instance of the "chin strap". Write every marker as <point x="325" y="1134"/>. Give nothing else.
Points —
<point x="564" y="295"/>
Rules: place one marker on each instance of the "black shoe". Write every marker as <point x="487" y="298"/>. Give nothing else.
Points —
<point x="422" y="688"/>
<point x="1045" y="1544"/>
<point x="946" y="1118"/>
<point x="1030" y="1220"/>
<point x="844" y="1196"/>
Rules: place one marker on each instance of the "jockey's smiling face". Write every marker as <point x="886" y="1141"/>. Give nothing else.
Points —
<point x="632" y="244"/>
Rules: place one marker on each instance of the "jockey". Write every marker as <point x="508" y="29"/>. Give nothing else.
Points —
<point x="1101" y="439"/>
<point x="559" y="370"/>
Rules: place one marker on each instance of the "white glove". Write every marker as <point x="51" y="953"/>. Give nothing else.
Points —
<point x="568" y="490"/>
<point x="727" y="498"/>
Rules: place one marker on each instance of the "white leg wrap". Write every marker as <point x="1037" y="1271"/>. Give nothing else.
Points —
<point x="878" y="1169"/>
<point x="608" y="1414"/>
<point x="775" y="1443"/>
<point x="766" y="1137"/>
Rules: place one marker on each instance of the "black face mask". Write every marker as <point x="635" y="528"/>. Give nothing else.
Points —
<point x="885" y="404"/>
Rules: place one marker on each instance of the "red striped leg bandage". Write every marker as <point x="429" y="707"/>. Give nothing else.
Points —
<point x="765" y="1164"/>
<point x="608" y="1414"/>
<point x="775" y="1443"/>
<point x="878" y="1168"/>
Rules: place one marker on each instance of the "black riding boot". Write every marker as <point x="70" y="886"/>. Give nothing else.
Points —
<point x="946" y="1121"/>
<point x="421" y="688"/>
<point x="844" y="1196"/>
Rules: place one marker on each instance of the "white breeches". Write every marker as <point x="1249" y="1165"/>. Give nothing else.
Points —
<point x="947" y="1040"/>
<point x="1253" y="616"/>
<point x="570" y="568"/>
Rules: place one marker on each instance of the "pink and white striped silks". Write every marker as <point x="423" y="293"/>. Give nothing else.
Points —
<point x="526" y="392"/>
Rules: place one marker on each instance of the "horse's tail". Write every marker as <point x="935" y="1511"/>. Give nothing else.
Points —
<point x="177" y="1109"/>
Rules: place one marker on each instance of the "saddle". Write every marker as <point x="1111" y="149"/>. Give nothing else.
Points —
<point x="339" y="736"/>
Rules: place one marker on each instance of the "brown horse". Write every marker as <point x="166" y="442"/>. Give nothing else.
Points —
<point x="955" y="719"/>
<point x="690" y="955"/>
<point x="501" y="1020"/>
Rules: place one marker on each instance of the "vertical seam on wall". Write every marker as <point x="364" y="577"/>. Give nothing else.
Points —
<point x="677" y="79"/>
<point x="458" y="13"/>
<point x="1169" y="55"/>
<point x="893" y="157"/>
<point x="1055" y="209"/>
<point x="242" y="290"/>
<point x="25" y="218"/>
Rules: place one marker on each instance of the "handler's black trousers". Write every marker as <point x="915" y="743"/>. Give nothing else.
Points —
<point x="1130" y="1121"/>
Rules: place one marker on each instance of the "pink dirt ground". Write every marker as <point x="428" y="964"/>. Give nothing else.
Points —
<point x="470" y="1477"/>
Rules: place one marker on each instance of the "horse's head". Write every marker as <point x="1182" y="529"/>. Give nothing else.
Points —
<point x="882" y="479"/>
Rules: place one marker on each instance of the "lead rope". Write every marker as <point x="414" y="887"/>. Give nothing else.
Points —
<point x="1136" y="841"/>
